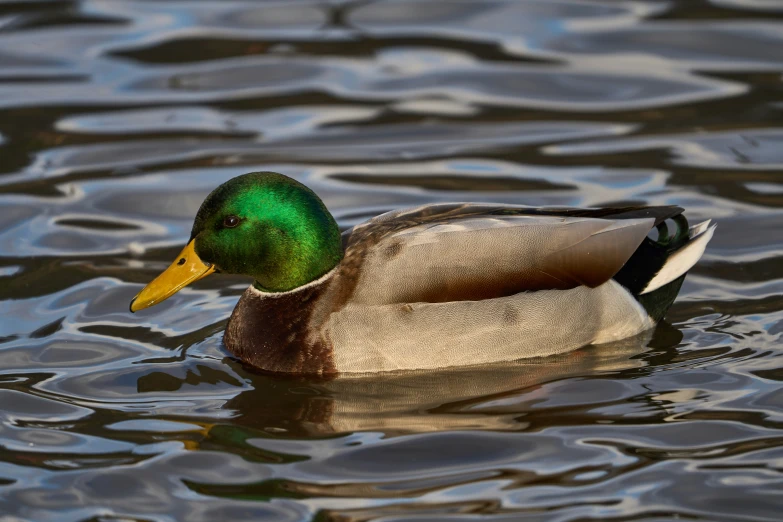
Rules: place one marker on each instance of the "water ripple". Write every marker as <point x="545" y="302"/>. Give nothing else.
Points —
<point x="119" y="117"/>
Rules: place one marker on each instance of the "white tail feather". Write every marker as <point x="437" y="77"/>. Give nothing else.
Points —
<point x="683" y="259"/>
<point x="697" y="230"/>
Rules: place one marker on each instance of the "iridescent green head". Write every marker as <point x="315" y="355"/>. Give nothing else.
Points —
<point x="269" y="227"/>
<point x="264" y="225"/>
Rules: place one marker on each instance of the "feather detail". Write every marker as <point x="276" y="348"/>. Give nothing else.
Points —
<point x="683" y="259"/>
<point x="481" y="257"/>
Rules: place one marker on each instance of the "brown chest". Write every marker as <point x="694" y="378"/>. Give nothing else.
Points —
<point x="275" y="332"/>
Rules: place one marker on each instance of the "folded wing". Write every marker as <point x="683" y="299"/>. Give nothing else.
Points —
<point x="482" y="252"/>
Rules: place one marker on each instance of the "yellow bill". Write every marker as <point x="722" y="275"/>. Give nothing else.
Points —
<point x="186" y="269"/>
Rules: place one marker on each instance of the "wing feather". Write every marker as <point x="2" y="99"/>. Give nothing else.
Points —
<point x="459" y="252"/>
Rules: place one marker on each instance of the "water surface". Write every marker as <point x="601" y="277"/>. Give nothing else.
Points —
<point x="118" y="117"/>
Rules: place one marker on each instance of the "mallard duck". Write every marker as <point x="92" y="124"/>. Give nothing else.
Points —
<point x="435" y="286"/>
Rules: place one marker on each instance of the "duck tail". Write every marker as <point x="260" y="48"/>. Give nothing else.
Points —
<point x="655" y="272"/>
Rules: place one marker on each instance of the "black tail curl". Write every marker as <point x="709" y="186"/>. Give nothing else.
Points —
<point x="648" y="260"/>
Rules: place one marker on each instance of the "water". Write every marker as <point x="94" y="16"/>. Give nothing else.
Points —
<point x="118" y="117"/>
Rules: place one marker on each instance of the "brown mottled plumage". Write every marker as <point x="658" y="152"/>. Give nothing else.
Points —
<point x="273" y="333"/>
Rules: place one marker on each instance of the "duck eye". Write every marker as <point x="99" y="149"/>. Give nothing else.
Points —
<point x="230" y="221"/>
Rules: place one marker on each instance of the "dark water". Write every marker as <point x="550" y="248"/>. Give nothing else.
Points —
<point x="117" y="118"/>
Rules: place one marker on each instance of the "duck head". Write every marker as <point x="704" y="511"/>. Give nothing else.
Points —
<point x="263" y="225"/>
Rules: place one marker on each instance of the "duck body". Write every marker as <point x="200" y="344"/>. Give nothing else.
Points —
<point x="462" y="284"/>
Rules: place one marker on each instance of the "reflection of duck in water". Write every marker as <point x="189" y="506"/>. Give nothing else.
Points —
<point x="490" y="397"/>
<point x="431" y="287"/>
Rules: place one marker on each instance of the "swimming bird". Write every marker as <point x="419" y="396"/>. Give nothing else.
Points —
<point x="435" y="286"/>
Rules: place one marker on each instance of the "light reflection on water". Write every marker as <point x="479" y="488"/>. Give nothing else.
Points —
<point x="117" y="118"/>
